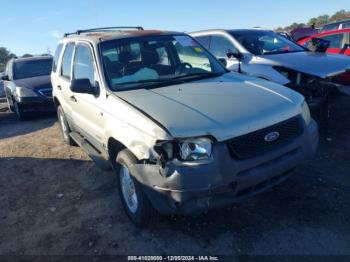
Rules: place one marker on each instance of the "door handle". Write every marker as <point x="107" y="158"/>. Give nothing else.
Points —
<point x="73" y="99"/>
<point x="59" y="87"/>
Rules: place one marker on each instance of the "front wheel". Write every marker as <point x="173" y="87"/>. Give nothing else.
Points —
<point x="19" y="111"/>
<point x="134" y="200"/>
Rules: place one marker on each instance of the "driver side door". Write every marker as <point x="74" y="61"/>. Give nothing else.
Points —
<point x="87" y="108"/>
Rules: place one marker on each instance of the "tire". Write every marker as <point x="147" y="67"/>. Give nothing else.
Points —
<point x="64" y="127"/>
<point x="140" y="212"/>
<point x="19" y="111"/>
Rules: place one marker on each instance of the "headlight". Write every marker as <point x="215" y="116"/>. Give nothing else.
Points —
<point x="306" y="113"/>
<point x="25" y="92"/>
<point x="195" y="149"/>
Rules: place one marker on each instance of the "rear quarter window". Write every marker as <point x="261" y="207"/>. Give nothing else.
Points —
<point x="56" y="57"/>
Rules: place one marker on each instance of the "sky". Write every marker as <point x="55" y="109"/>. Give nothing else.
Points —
<point x="35" y="26"/>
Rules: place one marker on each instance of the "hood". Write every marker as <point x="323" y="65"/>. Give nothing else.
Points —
<point x="316" y="64"/>
<point x="34" y="83"/>
<point x="223" y="107"/>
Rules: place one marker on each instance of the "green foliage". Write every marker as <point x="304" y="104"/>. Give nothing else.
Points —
<point x="5" y="55"/>
<point x="318" y="21"/>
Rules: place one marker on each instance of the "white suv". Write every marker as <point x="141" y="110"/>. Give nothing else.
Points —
<point x="182" y="133"/>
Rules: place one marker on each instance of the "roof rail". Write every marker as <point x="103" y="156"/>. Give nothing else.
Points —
<point x="102" y="29"/>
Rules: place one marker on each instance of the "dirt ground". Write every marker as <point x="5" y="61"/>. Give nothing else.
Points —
<point x="54" y="200"/>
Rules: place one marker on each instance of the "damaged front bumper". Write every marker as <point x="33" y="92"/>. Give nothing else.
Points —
<point x="186" y="188"/>
<point x="317" y="90"/>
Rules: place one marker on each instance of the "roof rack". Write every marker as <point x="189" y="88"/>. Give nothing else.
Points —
<point x="103" y="29"/>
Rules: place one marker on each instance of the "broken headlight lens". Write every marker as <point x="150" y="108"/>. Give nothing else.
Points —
<point x="306" y="113"/>
<point x="165" y="150"/>
<point x="195" y="149"/>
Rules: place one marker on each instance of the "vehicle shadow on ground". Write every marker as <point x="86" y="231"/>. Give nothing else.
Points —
<point x="10" y="126"/>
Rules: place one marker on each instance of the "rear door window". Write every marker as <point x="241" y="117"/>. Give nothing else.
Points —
<point x="67" y="61"/>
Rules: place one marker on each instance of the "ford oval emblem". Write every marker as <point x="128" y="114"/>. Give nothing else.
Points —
<point x="271" y="137"/>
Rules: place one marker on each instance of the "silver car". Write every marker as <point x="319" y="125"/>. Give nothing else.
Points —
<point x="181" y="132"/>
<point x="268" y="55"/>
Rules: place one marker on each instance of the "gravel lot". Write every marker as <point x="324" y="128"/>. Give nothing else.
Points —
<point x="54" y="200"/>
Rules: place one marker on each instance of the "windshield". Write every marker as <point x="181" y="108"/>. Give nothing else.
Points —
<point x="33" y="68"/>
<point x="150" y="61"/>
<point x="265" y="42"/>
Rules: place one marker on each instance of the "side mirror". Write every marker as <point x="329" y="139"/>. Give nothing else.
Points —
<point x="236" y="55"/>
<point x="5" y="78"/>
<point x="82" y="86"/>
<point x="223" y="61"/>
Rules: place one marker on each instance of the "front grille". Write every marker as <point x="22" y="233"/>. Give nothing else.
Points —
<point x="254" y="144"/>
<point x="46" y="92"/>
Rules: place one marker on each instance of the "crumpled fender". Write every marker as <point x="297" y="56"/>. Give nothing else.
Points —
<point x="132" y="128"/>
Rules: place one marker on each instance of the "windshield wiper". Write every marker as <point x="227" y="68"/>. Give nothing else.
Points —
<point x="144" y="81"/>
<point x="282" y="52"/>
<point x="160" y="82"/>
<point x="145" y="84"/>
<point x="200" y="75"/>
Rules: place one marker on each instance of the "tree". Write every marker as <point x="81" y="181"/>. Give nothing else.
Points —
<point x="319" y="21"/>
<point x="340" y="15"/>
<point x="5" y="55"/>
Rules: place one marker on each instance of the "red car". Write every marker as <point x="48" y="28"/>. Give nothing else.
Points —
<point x="339" y="43"/>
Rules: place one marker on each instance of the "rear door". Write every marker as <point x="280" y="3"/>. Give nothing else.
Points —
<point x="62" y="84"/>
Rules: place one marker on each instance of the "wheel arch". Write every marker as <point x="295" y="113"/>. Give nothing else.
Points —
<point x="113" y="148"/>
<point x="56" y="102"/>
